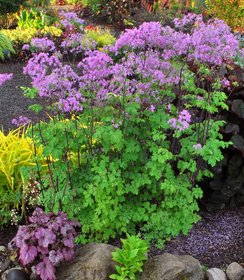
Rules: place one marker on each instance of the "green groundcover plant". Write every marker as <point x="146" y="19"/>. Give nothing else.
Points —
<point x="137" y="127"/>
<point x="130" y="258"/>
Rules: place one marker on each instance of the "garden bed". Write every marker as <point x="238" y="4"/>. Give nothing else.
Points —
<point x="216" y="240"/>
<point x="126" y="154"/>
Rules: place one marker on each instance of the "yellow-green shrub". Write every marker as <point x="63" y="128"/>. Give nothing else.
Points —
<point x="21" y="36"/>
<point x="24" y="36"/>
<point x="17" y="152"/>
<point x="102" y="37"/>
<point x="52" y="30"/>
<point x="231" y="11"/>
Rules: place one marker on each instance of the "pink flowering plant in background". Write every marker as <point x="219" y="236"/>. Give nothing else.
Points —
<point x="137" y="127"/>
<point x="20" y="121"/>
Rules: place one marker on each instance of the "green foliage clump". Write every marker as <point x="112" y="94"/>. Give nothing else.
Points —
<point x="94" y="5"/>
<point x="6" y="47"/>
<point x="130" y="258"/>
<point x="35" y="18"/>
<point x="129" y="175"/>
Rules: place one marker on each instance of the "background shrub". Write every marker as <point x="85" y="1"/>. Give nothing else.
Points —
<point x="9" y="6"/>
<point x="231" y="11"/>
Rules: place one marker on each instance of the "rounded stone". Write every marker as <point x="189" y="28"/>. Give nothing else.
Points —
<point x="235" y="271"/>
<point x="215" y="274"/>
<point x="17" y="274"/>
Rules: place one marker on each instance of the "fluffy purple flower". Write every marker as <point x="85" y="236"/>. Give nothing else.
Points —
<point x="70" y="20"/>
<point x="187" y="19"/>
<point x="26" y="47"/>
<point x="182" y="122"/>
<point x="4" y="78"/>
<point x="197" y="146"/>
<point x="152" y="108"/>
<point x="20" y="121"/>
<point x="55" y="81"/>
<point x="77" y="43"/>
<point x="146" y="35"/>
<point x="72" y="103"/>
<point x="213" y="43"/>
<point x="225" y="83"/>
<point x="42" y="45"/>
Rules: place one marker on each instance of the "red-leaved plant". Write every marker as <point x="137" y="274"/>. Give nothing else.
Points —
<point x="46" y="242"/>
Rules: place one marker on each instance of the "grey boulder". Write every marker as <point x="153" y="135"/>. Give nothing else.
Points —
<point x="171" y="267"/>
<point x="235" y="271"/>
<point x="215" y="274"/>
<point x="92" y="262"/>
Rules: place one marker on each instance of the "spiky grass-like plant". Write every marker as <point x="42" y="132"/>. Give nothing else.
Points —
<point x="6" y="46"/>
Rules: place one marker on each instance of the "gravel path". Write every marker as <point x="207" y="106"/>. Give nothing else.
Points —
<point x="216" y="240"/>
<point x="12" y="102"/>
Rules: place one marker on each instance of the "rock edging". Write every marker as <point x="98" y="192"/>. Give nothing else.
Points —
<point x="94" y="262"/>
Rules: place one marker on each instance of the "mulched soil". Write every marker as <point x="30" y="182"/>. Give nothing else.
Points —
<point x="12" y="101"/>
<point x="216" y="241"/>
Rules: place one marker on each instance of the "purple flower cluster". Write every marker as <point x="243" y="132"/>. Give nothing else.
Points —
<point x="77" y="43"/>
<point x="42" y="45"/>
<point x="147" y="60"/>
<point x="70" y="20"/>
<point x="188" y="19"/>
<point x="182" y="122"/>
<point x="4" y="78"/>
<point x="26" y="47"/>
<point x="46" y="242"/>
<point x="55" y="81"/>
<point x="211" y="42"/>
<point x="20" y="121"/>
<point x="225" y="83"/>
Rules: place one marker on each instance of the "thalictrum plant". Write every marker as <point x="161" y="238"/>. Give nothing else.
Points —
<point x="137" y="128"/>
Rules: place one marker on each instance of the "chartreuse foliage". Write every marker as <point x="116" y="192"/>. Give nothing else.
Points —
<point x="101" y="37"/>
<point x="17" y="152"/>
<point x="130" y="258"/>
<point x="231" y="11"/>
<point x="21" y="36"/>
